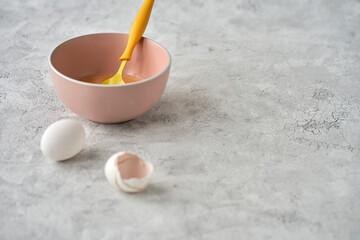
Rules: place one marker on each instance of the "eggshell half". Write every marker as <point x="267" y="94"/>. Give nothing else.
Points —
<point x="128" y="172"/>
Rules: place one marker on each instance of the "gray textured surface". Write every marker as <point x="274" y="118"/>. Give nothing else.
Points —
<point x="256" y="136"/>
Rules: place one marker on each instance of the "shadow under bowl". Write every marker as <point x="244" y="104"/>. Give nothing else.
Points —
<point x="98" y="54"/>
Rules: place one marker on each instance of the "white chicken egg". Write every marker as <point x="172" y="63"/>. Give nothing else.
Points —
<point x="63" y="140"/>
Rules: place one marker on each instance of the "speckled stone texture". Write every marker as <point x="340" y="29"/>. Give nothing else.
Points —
<point x="257" y="135"/>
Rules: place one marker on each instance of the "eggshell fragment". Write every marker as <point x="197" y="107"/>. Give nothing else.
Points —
<point x="63" y="140"/>
<point x="128" y="172"/>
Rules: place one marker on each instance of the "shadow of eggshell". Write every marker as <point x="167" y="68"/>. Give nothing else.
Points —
<point x="128" y="172"/>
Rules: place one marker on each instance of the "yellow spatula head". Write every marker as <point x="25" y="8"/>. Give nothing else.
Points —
<point x="117" y="78"/>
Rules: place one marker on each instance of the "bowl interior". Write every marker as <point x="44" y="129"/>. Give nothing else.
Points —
<point x="99" y="54"/>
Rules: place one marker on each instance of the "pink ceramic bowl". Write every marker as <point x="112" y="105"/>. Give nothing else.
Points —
<point x="99" y="53"/>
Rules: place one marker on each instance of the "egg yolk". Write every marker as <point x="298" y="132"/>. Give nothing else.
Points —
<point x="99" y="78"/>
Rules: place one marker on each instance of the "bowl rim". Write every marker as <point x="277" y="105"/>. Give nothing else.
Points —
<point x="106" y="85"/>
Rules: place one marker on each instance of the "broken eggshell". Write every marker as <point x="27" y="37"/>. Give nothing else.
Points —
<point x="128" y="172"/>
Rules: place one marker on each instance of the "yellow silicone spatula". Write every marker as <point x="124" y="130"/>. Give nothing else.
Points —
<point x="137" y="30"/>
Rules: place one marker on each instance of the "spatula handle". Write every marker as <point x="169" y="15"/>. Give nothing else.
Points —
<point x="138" y="28"/>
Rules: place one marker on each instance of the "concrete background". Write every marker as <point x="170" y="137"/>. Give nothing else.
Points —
<point x="256" y="136"/>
